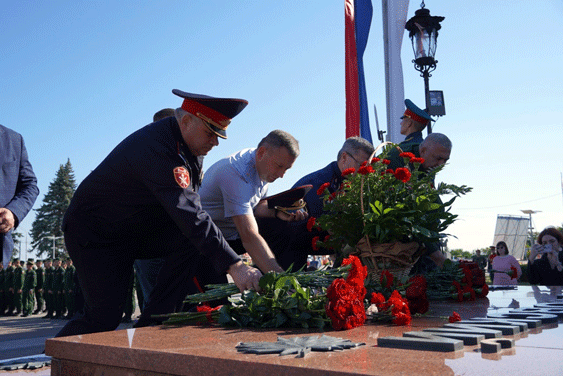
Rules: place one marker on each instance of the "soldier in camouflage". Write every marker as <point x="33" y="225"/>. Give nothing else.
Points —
<point x="28" y="290"/>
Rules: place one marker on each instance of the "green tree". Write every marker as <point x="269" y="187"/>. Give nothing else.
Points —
<point x="50" y="215"/>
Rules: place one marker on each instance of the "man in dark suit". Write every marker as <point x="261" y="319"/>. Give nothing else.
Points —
<point x="18" y="187"/>
<point x="142" y="202"/>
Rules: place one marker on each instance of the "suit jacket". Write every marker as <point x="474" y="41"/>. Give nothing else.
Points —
<point x="18" y="184"/>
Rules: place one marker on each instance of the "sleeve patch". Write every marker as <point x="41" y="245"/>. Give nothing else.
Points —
<point x="182" y="177"/>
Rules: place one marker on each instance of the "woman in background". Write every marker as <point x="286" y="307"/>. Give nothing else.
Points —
<point x="504" y="262"/>
<point x="547" y="270"/>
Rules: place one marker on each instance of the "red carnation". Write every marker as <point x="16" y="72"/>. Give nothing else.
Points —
<point x="454" y="317"/>
<point x="311" y="223"/>
<point x="402" y="318"/>
<point x="348" y="171"/>
<point x="417" y="160"/>
<point x="322" y="188"/>
<point x="344" y="308"/>
<point x="385" y="161"/>
<point x="403" y="174"/>
<point x="407" y="154"/>
<point x="483" y="291"/>
<point x="386" y="279"/>
<point x="513" y="273"/>
<point x="377" y="299"/>
<point x="364" y="170"/>
<point x="206" y="308"/>
<point x="417" y="287"/>
<point x="374" y="160"/>
<point x="314" y="243"/>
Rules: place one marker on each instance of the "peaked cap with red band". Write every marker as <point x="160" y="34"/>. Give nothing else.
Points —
<point x="416" y="114"/>
<point x="216" y="113"/>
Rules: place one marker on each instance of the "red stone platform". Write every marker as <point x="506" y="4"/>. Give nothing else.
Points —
<point x="194" y="350"/>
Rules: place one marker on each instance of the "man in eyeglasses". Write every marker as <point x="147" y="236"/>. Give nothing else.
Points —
<point x="353" y="153"/>
<point x="142" y="202"/>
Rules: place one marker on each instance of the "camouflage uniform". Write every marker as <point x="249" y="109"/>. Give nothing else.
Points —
<point x="70" y="290"/>
<point x="19" y="277"/>
<point x="58" y="291"/>
<point x="39" y="292"/>
<point x="30" y="281"/>
<point x="49" y="293"/>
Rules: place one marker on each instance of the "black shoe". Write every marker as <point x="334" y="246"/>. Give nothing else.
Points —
<point x="126" y="320"/>
<point x="47" y="317"/>
<point x="24" y="315"/>
<point x="36" y="312"/>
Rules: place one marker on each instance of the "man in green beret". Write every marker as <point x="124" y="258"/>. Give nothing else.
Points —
<point x="40" y="271"/>
<point x="30" y="281"/>
<point x="19" y="277"/>
<point x="48" y="289"/>
<point x="69" y="289"/>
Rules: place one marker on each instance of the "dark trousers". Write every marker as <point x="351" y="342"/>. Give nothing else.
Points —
<point x="104" y="272"/>
<point x="290" y="242"/>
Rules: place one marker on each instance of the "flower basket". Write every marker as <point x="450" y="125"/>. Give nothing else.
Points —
<point x="385" y="216"/>
<point x="397" y="258"/>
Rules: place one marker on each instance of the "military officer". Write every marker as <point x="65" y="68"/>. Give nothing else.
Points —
<point x="28" y="289"/>
<point x="48" y="289"/>
<point x="18" y="285"/>
<point x="141" y="202"/>
<point x="40" y="271"/>
<point x="413" y="122"/>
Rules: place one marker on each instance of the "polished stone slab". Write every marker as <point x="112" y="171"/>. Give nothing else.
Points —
<point x="212" y="350"/>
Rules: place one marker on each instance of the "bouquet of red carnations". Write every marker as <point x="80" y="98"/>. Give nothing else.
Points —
<point x="461" y="281"/>
<point x="297" y="300"/>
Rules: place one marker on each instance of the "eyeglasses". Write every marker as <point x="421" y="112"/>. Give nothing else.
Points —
<point x="355" y="160"/>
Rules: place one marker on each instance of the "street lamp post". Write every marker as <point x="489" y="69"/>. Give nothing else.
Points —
<point x="423" y="32"/>
<point x="530" y="212"/>
<point x="54" y="240"/>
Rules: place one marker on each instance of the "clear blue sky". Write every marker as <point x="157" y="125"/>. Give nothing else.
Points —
<point x="79" y="76"/>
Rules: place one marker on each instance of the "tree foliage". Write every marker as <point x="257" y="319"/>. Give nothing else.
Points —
<point x="49" y="217"/>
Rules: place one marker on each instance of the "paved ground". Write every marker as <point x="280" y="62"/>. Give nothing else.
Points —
<point x="25" y="336"/>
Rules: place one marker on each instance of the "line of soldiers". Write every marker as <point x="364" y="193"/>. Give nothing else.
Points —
<point x="50" y="289"/>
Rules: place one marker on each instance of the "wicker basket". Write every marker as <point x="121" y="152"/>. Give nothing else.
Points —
<point x="397" y="258"/>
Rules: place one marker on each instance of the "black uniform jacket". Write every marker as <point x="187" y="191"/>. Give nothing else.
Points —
<point x="145" y="193"/>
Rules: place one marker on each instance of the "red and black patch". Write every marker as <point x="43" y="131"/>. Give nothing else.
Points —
<point x="182" y="177"/>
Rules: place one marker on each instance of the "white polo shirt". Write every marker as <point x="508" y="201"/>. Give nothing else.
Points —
<point x="230" y="187"/>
